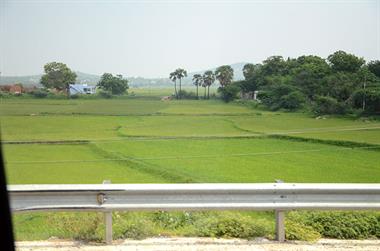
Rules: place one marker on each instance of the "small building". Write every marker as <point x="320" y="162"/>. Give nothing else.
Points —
<point x="82" y="89"/>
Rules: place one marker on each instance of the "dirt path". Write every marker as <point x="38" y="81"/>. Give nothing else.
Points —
<point x="202" y="244"/>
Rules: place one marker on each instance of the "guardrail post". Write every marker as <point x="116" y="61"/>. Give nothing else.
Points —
<point x="280" y="225"/>
<point x="108" y="221"/>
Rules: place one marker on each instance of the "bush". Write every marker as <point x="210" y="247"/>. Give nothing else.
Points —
<point x="328" y="105"/>
<point x="132" y="226"/>
<point x="292" y="101"/>
<point x="371" y="97"/>
<point x="39" y="93"/>
<point x="341" y="225"/>
<point x="187" y="95"/>
<point x="282" y="96"/>
<point x="298" y="231"/>
<point x="229" y="92"/>
<point x="75" y="96"/>
<point x="231" y="225"/>
<point x="104" y="94"/>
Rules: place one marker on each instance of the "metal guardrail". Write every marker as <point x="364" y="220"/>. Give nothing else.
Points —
<point x="280" y="197"/>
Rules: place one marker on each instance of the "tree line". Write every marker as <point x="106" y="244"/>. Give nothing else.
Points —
<point x="59" y="76"/>
<point x="224" y="74"/>
<point x="343" y="83"/>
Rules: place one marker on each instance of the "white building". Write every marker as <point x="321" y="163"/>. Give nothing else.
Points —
<point x="82" y="89"/>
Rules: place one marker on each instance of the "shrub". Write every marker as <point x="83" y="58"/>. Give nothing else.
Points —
<point x="229" y="92"/>
<point x="75" y="96"/>
<point x="328" y="105"/>
<point x="105" y="94"/>
<point x="39" y="93"/>
<point x="292" y="101"/>
<point x="172" y="220"/>
<point x="298" y="231"/>
<point x="187" y="94"/>
<point x="341" y="225"/>
<point x="231" y="225"/>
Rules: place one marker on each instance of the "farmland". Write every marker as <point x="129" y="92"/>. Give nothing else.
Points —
<point x="141" y="139"/>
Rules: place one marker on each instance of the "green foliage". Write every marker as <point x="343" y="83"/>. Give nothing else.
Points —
<point x="341" y="225"/>
<point x="298" y="231"/>
<point x="116" y="85"/>
<point x="342" y="61"/>
<point x="187" y="94"/>
<point x="230" y="225"/>
<point x="371" y="99"/>
<point x="282" y="96"/>
<point x="229" y="93"/>
<point x="40" y="93"/>
<point x="328" y="105"/>
<point x="224" y="74"/>
<point x="104" y="94"/>
<point x="57" y="75"/>
<point x="374" y="67"/>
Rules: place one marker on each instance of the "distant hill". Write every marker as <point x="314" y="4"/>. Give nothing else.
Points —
<point x="92" y="79"/>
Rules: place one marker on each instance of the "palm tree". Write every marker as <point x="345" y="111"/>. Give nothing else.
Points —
<point x="180" y="73"/>
<point x="197" y="81"/>
<point x="224" y="74"/>
<point x="173" y="77"/>
<point x="208" y="79"/>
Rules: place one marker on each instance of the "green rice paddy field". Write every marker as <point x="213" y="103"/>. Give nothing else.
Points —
<point x="142" y="139"/>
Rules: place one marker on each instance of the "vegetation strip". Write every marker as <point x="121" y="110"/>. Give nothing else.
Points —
<point x="190" y="157"/>
<point x="53" y="142"/>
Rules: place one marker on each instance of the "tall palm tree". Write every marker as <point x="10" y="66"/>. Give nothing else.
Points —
<point x="224" y="74"/>
<point x="180" y="73"/>
<point x="208" y="79"/>
<point x="173" y="77"/>
<point x="197" y="81"/>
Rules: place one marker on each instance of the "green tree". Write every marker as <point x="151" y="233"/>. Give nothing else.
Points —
<point x="229" y="92"/>
<point x="224" y="74"/>
<point x="173" y="77"/>
<point x="374" y="67"/>
<point x="309" y="75"/>
<point x="274" y="65"/>
<point x="208" y="80"/>
<point x="342" y="61"/>
<point x="57" y="75"/>
<point x="115" y="85"/>
<point x="197" y="81"/>
<point x="248" y="71"/>
<point x="180" y="73"/>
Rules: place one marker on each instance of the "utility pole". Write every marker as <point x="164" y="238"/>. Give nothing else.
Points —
<point x="364" y="86"/>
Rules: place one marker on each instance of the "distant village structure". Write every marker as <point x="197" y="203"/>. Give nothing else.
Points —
<point x="82" y="89"/>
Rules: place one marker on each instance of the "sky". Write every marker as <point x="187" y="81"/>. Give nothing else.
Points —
<point x="152" y="38"/>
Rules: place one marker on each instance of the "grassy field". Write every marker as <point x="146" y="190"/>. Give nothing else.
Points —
<point x="142" y="139"/>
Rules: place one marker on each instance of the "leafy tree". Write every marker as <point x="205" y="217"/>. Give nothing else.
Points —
<point x="283" y="96"/>
<point x="248" y="71"/>
<point x="115" y="85"/>
<point x="274" y="65"/>
<point x="229" y="92"/>
<point x="173" y="77"/>
<point x="374" y="67"/>
<point x="197" y="81"/>
<point x="328" y="105"/>
<point x="342" y="61"/>
<point x="208" y="80"/>
<point x="309" y="75"/>
<point x="224" y="74"/>
<point x="57" y="75"/>
<point x="180" y="73"/>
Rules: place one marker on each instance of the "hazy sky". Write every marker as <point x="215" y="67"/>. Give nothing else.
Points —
<point x="152" y="38"/>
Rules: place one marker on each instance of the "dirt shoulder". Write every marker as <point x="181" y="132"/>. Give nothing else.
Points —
<point x="202" y="244"/>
